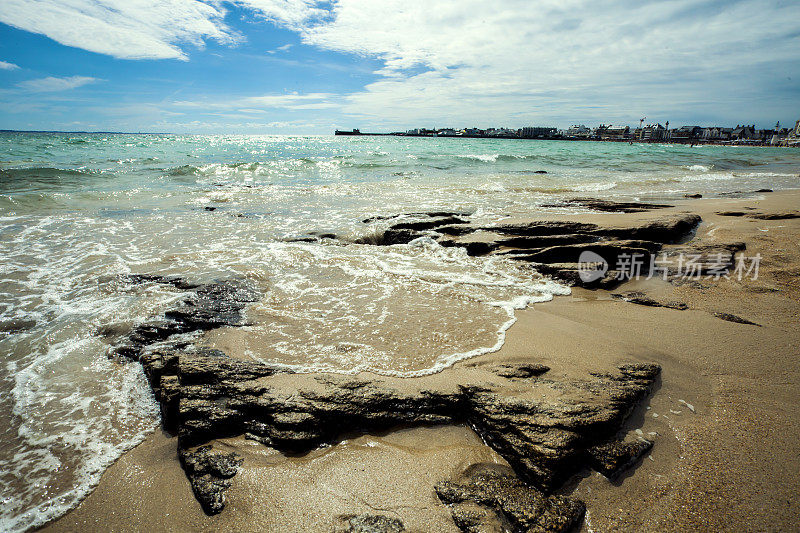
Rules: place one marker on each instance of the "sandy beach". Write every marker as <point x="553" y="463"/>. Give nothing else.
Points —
<point x="725" y="456"/>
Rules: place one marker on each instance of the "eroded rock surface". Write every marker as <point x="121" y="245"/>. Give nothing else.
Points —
<point x="490" y="497"/>
<point x="368" y="523"/>
<point x="611" y="458"/>
<point x="554" y="247"/>
<point x="640" y="298"/>
<point x="544" y="427"/>
<point x="608" y="206"/>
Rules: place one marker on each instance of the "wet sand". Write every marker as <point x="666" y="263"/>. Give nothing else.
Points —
<point x="726" y="456"/>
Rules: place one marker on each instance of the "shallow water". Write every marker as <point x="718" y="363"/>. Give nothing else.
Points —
<point x="79" y="210"/>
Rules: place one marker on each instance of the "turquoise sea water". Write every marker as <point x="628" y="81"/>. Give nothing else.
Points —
<point x="78" y="210"/>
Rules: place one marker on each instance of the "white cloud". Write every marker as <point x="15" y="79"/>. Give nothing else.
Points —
<point x="293" y="14"/>
<point x="559" y="60"/>
<point x="465" y="62"/>
<point x="128" y="29"/>
<point x="51" y="83"/>
<point x="5" y="65"/>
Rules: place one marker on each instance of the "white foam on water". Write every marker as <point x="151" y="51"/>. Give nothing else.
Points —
<point x="77" y="414"/>
<point x="393" y="310"/>
<point x="699" y="168"/>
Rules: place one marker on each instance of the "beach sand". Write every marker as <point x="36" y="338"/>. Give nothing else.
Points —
<point x="726" y="454"/>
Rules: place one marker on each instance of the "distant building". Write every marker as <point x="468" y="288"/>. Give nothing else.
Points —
<point x="793" y="139"/>
<point x="652" y="132"/>
<point x="446" y="132"/>
<point x="578" y="131"/>
<point x="743" y="133"/>
<point x="686" y="133"/>
<point x="613" y="133"/>
<point x="711" y="134"/>
<point x="537" y="132"/>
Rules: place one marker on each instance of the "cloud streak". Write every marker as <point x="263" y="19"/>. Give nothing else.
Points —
<point x="5" y="65"/>
<point x="53" y="84"/>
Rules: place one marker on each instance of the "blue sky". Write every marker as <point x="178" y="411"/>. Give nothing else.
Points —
<point x="308" y="66"/>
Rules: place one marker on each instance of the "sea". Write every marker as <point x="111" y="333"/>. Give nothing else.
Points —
<point x="78" y="212"/>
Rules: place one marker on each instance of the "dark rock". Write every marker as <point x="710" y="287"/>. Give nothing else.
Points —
<point x="774" y="216"/>
<point x="760" y="216"/>
<point x="733" y="318"/>
<point x="302" y="239"/>
<point x="538" y="229"/>
<point x="496" y="489"/>
<point x="665" y="230"/>
<point x="520" y="370"/>
<point x="608" y="250"/>
<point x="609" y="206"/>
<point x="668" y="229"/>
<point x="611" y="458"/>
<point x="455" y="230"/>
<point x="213" y="305"/>
<point x="475" y="248"/>
<point x="369" y="523"/>
<point x="16" y="325"/>
<point x="432" y="214"/>
<point x="763" y="190"/>
<point x="428" y="224"/>
<point x="641" y="298"/>
<point x="695" y="195"/>
<point x="545" y="241"/>
<point x="571" y="274"/>
<point x="210" y="208"/>
<point x="399" y="236"/>
<point x="210" y="475"/>
<point x="695" y="260"/>
<point x="540" y="172"/>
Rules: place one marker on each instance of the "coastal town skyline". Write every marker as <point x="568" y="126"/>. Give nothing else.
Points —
<point x="650" y="132"/>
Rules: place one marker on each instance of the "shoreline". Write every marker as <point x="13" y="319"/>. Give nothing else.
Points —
<point x="696" y="142"/>
<point x="726" y="391"/>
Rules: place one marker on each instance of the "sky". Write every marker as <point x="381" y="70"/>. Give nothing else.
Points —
<point x="309" y="66"/>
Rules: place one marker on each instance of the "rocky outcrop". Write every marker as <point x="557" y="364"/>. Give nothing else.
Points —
<point x="612" y="458"/>
<point x="554" y="247"/>
<point x="608" y="206"/>
<point x="209" y="474"/>
<point x="760" y="216"/>
<point x="640" y="298"/>
<point x="543" y="427"/>
<point x="490" y="497"/>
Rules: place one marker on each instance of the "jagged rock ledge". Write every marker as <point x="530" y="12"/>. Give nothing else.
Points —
<point x="554" y="248"/>
<point x="547" y="429"/>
